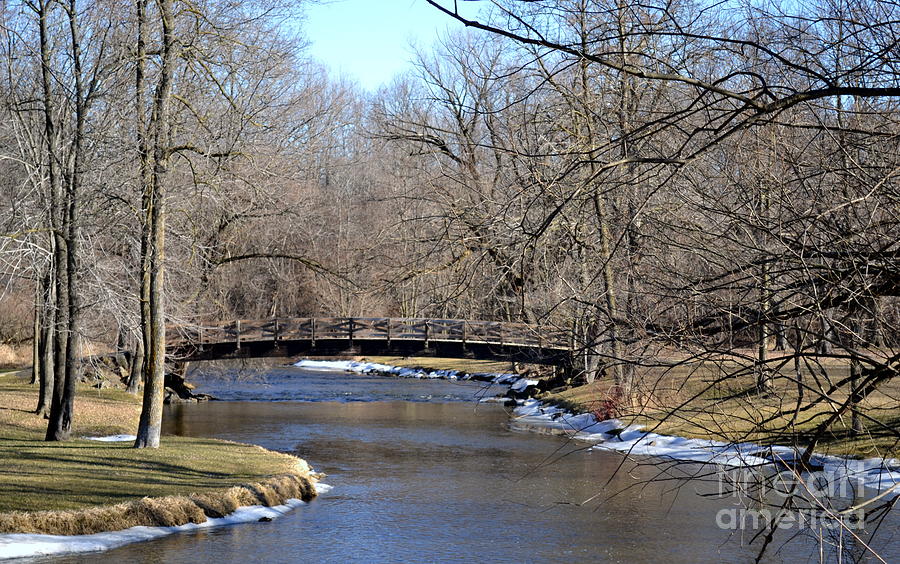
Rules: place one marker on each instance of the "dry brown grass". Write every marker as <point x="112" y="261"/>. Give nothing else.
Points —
<point x="18" y="356"/>
<point x="14" y="356"/>
<point x="96" y="411"/>
<point x="162" y="511"/>
<point x="713" y="400"/>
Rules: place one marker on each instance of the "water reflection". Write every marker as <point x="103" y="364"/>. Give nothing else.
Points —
<point x="449" y="482"/>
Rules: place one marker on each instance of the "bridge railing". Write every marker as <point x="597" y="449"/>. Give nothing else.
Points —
<point x="380" y="328"/>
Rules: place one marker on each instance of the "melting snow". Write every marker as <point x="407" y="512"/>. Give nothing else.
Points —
<point x="877" y="474"/>
<point x="113" y="438"/>
<point x="516" y="382"/>
<point x="22" y="545"/>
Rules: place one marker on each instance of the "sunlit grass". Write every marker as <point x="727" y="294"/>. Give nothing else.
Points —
<point x="708" y="400"/>
<point x="37" y="475"/>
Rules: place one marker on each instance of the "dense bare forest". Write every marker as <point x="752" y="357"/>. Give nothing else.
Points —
<point x="705" y="196"/>
<point x="671" y="182"/>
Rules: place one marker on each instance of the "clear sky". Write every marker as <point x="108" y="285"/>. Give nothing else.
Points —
<point x="369" y="40"/>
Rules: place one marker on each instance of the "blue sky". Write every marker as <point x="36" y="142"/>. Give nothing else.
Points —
<point x="368" y="40"/>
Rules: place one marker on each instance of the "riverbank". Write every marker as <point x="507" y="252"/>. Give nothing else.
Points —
<point x="719" y="401"/>
<point x="489" y="372"/>
<point x="29" y="545"/>
<point x="878" y="475"/>
<point x="86" y="486"/>
<point x="689" y="426"/>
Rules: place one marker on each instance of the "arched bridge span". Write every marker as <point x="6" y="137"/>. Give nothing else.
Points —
<point x="370" y="336"/>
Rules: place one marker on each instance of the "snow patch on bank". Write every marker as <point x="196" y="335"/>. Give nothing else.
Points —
<point x="522" y="384"/>
<point x="26" y="545"/>
<point x="877" y="474"/>
<point x="113" y="438"/>
<point x="517" y="383"/>
<point x="22" y="545"/>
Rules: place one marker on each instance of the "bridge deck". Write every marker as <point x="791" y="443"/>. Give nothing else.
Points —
<point x="490" y="340"/>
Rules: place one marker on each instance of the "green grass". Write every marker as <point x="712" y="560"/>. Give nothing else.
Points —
<point x="37" y="475"/>
<point x="40" y="476"/>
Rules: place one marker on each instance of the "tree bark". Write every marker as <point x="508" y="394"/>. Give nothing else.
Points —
<point x="46" y="338"/>
<point x="36" y="333"/>
<point x="154" y="330"/>
<point x="764" y="380"/>
<point x="136" y="375"/>
<point x="826" y="336"/>
<point x="59" y="424"/>
<point x="62" y="413"/>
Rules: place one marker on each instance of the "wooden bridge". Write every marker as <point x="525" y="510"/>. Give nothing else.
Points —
<point x="370" y="336"/>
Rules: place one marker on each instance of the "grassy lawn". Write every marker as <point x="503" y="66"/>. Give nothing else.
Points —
<point x="714" y="400"/>
<point x="38" y="475"/>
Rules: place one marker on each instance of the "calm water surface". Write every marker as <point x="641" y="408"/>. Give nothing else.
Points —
<point x="423" y="473"/>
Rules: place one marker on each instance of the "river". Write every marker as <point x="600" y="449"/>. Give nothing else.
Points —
<point x="422" y="472"/>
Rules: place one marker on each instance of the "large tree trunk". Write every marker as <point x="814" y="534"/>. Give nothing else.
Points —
<point x="36" y="333"/>
<point x="46" y="341"/>
<point x="62" y="412"/>
<point x="59" y="424"/>
<point x="136" y="375"/>
<point x="764" y="378"/>
<point x="604" y="233"/>
<point x="876" y="335"/>
<point x="60" y="419"/>
<point x="826" y="335"/>
<point x="154" y="327"/>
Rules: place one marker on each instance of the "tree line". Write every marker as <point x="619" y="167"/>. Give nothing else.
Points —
<point x="150" y="149"/>
<point x="713" y="179"/>
<point x="669" y="180"/>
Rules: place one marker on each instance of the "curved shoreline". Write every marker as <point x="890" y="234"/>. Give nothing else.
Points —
<point x="45" y="533"/>
<point x="66" y="532"/>
<point x="20" y="545"/>
<point x="879" y="475"/>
